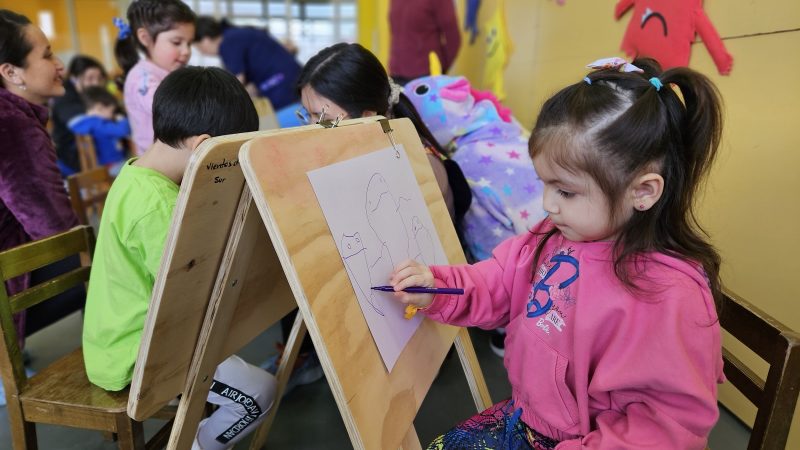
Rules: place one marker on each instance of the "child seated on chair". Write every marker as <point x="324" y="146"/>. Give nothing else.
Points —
<point x="106" y="128"/>
<point x="191" y="105"/>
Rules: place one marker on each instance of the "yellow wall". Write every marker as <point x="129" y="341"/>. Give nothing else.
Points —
<point x="373" y="27"/>
<point x="95" y="29"/>
<point x="62" y="41"/>
<point x="751" y="205"/>
<point x="89" y="15"/>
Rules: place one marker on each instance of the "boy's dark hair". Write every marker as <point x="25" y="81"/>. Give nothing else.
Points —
<point x="201" y="100"/>
<point x="14" y="48"/>
<point x="155" y="16"/>
<point x="81" y="63"/>
<point x="209" y="27"/>
<point x="617" y="126"/>
<point x="94" y="95"/>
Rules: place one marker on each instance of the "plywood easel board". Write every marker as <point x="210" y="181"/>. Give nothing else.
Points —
<point x="205" y="210"/>
<point x="378" y="407"/>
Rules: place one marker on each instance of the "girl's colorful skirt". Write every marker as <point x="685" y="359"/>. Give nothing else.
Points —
<point x="498" y="428"/>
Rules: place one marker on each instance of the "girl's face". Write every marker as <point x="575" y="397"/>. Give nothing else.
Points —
<point x="575" y="203"/>
<point x="43" y="72"/>
<point x="314" y="104"/>
<point x="172" y="48"/>
<point x="90" y="77"/>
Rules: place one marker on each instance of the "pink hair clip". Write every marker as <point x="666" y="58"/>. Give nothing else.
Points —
<point x="614" y="63"/>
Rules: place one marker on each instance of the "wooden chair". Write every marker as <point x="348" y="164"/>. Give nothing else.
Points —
<point x="87" y="192"/>
<point x="775" y="343"/>
<point x="86" y="152"/>
<point x="267" y="120"/>
<point x="60" y="394"/>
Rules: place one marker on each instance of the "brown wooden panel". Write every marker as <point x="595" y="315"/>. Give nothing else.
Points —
<point x="377" y="407"/>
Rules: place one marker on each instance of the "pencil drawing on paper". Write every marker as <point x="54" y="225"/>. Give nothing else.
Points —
<point x="398" y="236"/>
<point x="378" y="218"/>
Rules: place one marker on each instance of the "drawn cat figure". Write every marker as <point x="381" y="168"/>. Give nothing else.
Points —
<point x="383" y="215"/>
<point x="355" y="260"/>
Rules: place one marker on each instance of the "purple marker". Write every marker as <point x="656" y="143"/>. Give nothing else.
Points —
<point x="422" y="290"/>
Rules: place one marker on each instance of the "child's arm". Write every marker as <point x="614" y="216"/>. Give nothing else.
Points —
<point x="113" y="128"/>
<point x="486" y="300"/>
<point x="658" y="375"/>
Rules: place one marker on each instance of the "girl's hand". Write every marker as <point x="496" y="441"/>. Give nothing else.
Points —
<point x="411" y="273"/>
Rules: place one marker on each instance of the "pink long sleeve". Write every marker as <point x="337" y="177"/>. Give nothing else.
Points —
<point x="486" y="301"/>
<point x="140" y="87"/>
<point x="591" y="362"/>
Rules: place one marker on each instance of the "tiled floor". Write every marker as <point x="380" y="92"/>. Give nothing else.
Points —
<point x="308" y="417"/>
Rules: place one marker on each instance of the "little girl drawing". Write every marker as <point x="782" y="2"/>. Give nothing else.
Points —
<point x="612" y="333"/>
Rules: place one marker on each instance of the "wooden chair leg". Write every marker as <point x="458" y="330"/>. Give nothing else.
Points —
<point x="130" y="433"/>
<point x="23" y="434"/>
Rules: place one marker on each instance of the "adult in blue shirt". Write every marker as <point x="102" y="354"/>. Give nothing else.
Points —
<point x="254" y="56"/>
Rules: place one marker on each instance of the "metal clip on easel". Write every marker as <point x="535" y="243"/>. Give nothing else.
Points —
<point x="387" y="129"/>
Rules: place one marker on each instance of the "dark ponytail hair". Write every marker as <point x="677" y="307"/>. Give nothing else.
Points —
<point x="209" y="27"/>
<point x="155" y="16"/>
<point x="615" y="126"/>
<point x="14" y="47"/>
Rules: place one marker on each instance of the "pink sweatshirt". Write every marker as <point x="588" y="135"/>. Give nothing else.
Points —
<point x="590" y="363"/>
<point x="140" y="85"/>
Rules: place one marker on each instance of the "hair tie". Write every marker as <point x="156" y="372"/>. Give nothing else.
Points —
<point x="124" y="29"/>
<point x="394" y="92"/>
<point x="587" y="80"/>
<point x="656" y="83"/>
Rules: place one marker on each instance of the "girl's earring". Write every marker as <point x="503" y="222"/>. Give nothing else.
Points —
<point x="641" y="207"/>
<point x="22" y="87"/>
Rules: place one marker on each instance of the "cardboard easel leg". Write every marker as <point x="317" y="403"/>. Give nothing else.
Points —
<point x="472" y="370"/>
<point x="290" y="353"/>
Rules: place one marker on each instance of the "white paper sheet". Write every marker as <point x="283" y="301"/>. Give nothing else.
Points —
<point x="378" y="217"/>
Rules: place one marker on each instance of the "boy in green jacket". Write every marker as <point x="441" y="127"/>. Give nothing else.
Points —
<point x="191" y="105"/>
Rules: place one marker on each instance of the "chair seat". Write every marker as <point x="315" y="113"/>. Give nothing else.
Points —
<point x="64" y="384"/>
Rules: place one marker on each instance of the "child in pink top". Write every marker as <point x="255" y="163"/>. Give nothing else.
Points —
<point x="613" y="340"/>
<point x="163" y="31"/>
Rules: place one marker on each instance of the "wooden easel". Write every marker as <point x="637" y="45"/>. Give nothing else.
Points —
<point x="215" y="293"/>
<point x="205" y="212"/>
<point x="378" y="408"/>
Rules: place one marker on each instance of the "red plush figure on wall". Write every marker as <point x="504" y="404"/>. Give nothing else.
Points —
<point x="664" y="30"/>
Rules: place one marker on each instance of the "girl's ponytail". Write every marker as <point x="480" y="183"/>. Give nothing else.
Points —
<point x="702" y="125"/>
<point x="126" y="54"/>
<point x="701" y="131"/>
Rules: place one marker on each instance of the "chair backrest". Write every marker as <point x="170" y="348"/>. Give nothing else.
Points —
<point x="776" y="397"/>
<point x="24" y="259"/>
<point x="86" y="152"/>
<point x="267" y="120"/>
<point x="87" y="193"/>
